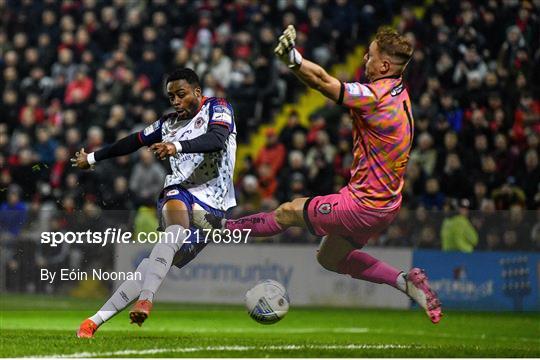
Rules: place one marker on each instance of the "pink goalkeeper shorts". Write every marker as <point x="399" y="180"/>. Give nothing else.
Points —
<point x="339" y="214"/>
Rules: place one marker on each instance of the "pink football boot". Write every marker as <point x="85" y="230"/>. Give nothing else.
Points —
<point x="418" y="289"/>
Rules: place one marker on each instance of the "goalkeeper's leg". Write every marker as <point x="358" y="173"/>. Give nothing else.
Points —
<point x="339" y="255"/>
<point x="260" y="225"/>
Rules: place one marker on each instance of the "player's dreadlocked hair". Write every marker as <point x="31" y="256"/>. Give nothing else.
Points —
<point x="393" y="44"/>
<point x="184" y="74"/>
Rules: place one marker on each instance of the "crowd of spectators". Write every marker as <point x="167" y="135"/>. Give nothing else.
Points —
<point x="474" y="83"/>
<point x="85" y="73"/>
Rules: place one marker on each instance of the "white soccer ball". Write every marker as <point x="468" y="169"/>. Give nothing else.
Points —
<point x="267" y="302"/>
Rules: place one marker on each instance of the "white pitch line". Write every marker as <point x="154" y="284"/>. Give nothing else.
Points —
<point x="267" y="330"/>
<point x="230" y="348"/>
<point x="352" y="330"/>
<point x="436" y="334"/>
<point x="358" y="330"/>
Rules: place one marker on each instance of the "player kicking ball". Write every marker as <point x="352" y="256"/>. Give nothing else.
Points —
<point x="382" y="134"/>
<point x="200" y="140"/>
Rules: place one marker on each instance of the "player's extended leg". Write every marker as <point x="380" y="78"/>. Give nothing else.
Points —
<point x="128" y="291"/>
<point x="335" y="254"/>
<point x="339" y="255"/>
<point x="176" y="217"/>
<point x="261" y="224"/>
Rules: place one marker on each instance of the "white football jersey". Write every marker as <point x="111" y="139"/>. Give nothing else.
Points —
<point x="208" y="176"/>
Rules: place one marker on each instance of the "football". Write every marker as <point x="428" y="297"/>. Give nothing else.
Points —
<point x="267" y="302"/>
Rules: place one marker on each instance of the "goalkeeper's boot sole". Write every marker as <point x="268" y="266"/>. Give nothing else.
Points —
<point x="140" y="311"/>
<point x="419" y="290"/>
<point x="205" y="220"/>
<point x="87" y="329"/>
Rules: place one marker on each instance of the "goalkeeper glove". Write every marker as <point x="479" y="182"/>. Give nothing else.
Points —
<point x="285" y="49"/>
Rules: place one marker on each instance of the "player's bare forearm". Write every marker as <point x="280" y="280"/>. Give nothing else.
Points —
<point x="317" y="78"/>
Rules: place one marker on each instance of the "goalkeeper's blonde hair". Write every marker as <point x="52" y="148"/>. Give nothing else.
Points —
<point x="393" y="44"/>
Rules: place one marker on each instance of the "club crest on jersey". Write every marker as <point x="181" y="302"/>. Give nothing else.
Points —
<point x="325" y="208"/>
<point x="198" y="123"/>
<point x="172" y="192"/>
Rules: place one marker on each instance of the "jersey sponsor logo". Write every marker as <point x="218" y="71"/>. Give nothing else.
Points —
<point x="223" y="116"/>
<point x="221" y="109"/>
<point x="151" y="128"/>
<point x="172" y="192"/>
<point x="397" y="90"/>
<point x="325" y="208"/>
<point x="357" y="89"/>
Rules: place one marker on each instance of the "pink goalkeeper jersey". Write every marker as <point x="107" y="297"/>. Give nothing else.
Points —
<point x="382" y="134"/>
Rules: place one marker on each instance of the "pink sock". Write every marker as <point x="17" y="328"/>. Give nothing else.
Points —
<point x="261" y="224"/>
<point x="361" y="265"/>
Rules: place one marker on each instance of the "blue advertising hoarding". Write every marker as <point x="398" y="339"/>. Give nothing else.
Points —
<point x="505" y="281"/>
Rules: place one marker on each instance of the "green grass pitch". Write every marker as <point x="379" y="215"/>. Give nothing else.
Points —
<point x="45" y="326"/>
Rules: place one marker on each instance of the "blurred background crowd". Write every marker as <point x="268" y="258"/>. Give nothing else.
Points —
<point x="85" y="73"/>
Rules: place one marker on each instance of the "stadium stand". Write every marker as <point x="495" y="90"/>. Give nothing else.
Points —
<point x="84" y="73"/>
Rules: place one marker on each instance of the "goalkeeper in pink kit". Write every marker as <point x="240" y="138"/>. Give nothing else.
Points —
<point x="382" y="132"/>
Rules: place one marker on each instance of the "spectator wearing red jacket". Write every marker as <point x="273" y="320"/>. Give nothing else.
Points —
<point x="272" y="154"/>
<point x="32" y="106"/>
<point x="80" y="89"/>
<point x="526" y="118"/>
<point x="58" y="169"/>
<point x="201" y="37"/>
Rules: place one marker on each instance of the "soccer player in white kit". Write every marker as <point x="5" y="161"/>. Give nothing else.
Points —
<point x="200" y="140"/>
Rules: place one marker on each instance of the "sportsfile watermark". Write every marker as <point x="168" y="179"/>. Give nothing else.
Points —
<point x="120" y="236"/>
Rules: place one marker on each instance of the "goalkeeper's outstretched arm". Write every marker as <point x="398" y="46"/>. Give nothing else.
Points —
<point x="307" y="71"/>
<point x="316" y="77"/>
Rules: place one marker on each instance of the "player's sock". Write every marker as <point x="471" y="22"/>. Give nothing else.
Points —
<point x="261" y="224"/>
<point x="160" y="261"/>
<point x="100" y="318"/>
<point x="401" y="282"/>
<point x="361" y="265"/>
<point x="128" y="291"/>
